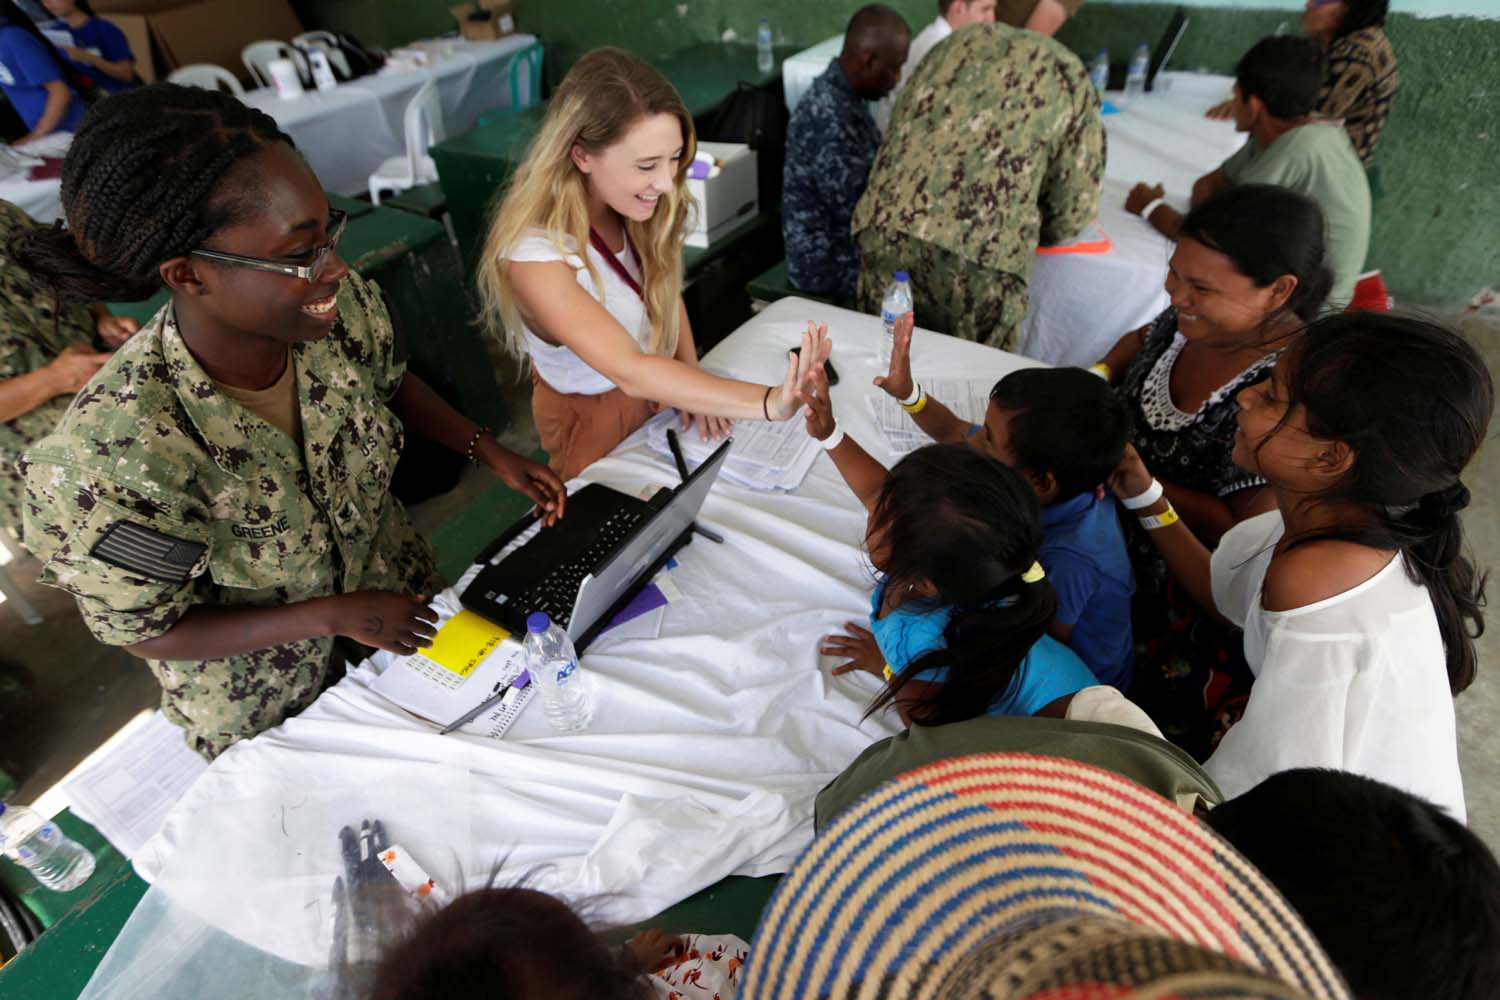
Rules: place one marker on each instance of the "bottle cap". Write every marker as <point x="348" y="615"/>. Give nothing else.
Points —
<point x="538" y="622"/>
<point x="902" y="276"/>
<point x="2" y="807"/>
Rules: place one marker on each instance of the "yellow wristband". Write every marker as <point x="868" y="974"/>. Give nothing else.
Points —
<point x="918" y="406"/>
<point x="888" y="673"/>
<point x="1102" y="370"/>
<point x="1165" y="519"/>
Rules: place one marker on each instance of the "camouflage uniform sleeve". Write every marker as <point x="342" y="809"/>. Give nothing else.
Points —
<point x="1071" y="188"/>
<point x="369" y="339"/>
<point x="133" y="567"/>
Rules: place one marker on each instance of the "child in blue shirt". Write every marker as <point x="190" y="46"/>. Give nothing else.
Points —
<point x="958" y="620"/>
<point x="99" y="50"/>
<point x="1065" y="431"/>
<point x="34" y="79"/>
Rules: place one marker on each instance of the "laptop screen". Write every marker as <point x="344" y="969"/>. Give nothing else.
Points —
<point x="603" y="588"/>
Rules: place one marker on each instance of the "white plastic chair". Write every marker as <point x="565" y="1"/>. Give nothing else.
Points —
<point x="424" y="127"/>
<point x="257" y="57"/>
<point x="326" y="41"/>
<point x="207" y="76"/>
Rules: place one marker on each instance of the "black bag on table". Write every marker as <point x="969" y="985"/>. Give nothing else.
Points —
<point x="756" y="116"/>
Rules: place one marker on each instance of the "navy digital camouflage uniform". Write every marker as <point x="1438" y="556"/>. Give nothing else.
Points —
<point x="34" y="330"/>
<point x="830" y="144"/>
<point x="996" y="147"/>
<point x="157" y="492"/>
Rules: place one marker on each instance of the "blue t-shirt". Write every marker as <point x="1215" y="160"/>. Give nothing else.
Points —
<point x="1083" y="552"/>
<point x="104" y="40"/>
<point x="26" y="67"/>
<point x="1049" y="670"/>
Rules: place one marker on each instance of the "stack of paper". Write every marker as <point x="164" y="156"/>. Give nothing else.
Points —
<point x="968" y="400"/>
<point x="127" y="792"/>
<point x="765" y="456"/>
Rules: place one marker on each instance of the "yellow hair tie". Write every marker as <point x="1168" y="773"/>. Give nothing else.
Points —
<point x="1035" y="574"/>
<point x="888" y="673"/>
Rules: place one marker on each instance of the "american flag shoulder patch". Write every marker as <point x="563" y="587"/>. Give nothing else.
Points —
<point x="150" y="553"/>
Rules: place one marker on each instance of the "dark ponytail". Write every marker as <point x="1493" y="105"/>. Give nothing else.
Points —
<point x="1413" y="400"/>
<point x="971" y="526"/>
<point x="1267" y="232"/>
<point x="141" y="185"/>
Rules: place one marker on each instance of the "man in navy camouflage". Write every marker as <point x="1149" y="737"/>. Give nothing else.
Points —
<point x="831" y="142"/>
<point x="996" y="147"/>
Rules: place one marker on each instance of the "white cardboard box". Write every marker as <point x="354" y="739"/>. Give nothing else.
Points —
<point x="727" y="199"/>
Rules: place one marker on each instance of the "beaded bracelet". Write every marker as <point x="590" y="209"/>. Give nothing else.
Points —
<point x="471" y="451"/>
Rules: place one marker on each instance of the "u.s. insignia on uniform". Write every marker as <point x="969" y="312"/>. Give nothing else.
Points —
<point x="138" y="549"/>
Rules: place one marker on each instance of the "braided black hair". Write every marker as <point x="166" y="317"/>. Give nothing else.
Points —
<point x="971" y="526"/>
<point x="142" y="184"/>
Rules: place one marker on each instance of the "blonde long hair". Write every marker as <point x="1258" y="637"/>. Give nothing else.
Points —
<point x="605" y="93"/>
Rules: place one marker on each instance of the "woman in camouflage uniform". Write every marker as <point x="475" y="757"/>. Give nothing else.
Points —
<point x="217" y="499"/>
<point x="47" y="353"/>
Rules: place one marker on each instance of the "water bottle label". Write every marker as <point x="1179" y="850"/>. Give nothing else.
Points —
<point x="24" y="854"/>
<point x="566" y="672"/>
<point x="886" y="316"/>
<point x="48" y="833"/>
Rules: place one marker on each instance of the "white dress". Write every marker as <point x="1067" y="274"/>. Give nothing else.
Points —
<point x="1357" y="681"/>
<point x="558" y="366"/>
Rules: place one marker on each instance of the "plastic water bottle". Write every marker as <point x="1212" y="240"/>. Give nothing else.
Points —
<point x="764" y="58"/>
<point x="553" y="666"/>
<point x="897" y="303"/>
<point x="41" y="848"/>
<point x="1135" y="78"/>
<point x="1099" y="72"/>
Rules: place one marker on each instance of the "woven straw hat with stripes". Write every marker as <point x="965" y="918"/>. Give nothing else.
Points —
<point x="1017" y="876"/>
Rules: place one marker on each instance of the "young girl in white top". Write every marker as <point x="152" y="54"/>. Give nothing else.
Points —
<point x="584" y="269"/>
<point x="1358" y="603"/>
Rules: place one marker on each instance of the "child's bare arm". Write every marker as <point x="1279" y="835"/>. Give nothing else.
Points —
<point x="861" y="472"/>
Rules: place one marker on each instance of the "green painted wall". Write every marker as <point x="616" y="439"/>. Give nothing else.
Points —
<point x="1437" y="207"/>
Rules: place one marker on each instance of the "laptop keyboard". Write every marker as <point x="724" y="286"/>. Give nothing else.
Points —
<point x="556" y="592"/>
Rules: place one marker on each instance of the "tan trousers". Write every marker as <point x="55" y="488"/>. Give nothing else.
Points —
<point x="578" y="430"/>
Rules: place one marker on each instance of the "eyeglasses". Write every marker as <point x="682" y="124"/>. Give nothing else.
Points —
<point x="310" y="271"/>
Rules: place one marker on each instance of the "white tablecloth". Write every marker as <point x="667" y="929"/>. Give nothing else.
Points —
<point x="348" y="132"/>
<point x="42" y="200"/>
<point x="707" y="747"/>
<point x="1082" y="303"/>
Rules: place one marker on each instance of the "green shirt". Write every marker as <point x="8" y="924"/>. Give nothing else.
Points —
<point x="1148" y="761"/>
<point x="1318" y="161"/>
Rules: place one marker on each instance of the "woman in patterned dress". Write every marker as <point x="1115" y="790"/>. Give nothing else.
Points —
<point x="1246" y="274"/>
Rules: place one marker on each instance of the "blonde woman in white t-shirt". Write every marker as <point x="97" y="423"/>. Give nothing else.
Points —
<point x="583" y="270"/>
<point x="1358" y="603"/>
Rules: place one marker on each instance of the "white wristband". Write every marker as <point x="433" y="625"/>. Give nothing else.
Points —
<point x="916" y="394"/>
<point x="1143" y="500"/>
<point x="833" y="440"/>
<point x="1152" y="206"/>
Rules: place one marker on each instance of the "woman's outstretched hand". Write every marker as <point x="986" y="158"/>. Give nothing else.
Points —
<point x="782" y="403"/>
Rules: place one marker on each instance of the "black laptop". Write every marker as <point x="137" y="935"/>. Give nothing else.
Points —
<point x="588" y="566"/>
